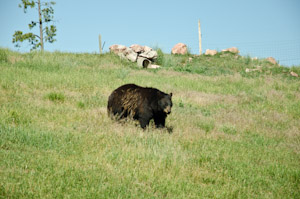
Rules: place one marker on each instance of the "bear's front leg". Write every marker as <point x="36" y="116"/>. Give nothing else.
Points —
<point x="144" y="115"/>
<point x="144" y="122"/>
<point x="160" y="121"/>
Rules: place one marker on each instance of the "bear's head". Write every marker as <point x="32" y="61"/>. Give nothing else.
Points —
<point x="165" y="103"/>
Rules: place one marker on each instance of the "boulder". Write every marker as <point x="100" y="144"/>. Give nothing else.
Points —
<point x="153" y="66"/>
<point x="137" y="48"/>
<point x="124" y="52"/>
<point x="294" y="74"/>
<point x="271" y="60"/>
<point x="117" y="48"/>
<point x="234" y="50"/>
<point x="147" y="49"/>
<point x="179" y="48"/>
<point x="149" y="53"/>
<point x="131" y="55"/>
<point x="144" y="55"/>
<point x="211" y="52"/>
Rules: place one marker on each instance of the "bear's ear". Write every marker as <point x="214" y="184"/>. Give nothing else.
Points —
<point x="171" y="94"/>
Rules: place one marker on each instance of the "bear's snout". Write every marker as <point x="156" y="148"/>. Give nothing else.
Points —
<point x="167" y="110"/>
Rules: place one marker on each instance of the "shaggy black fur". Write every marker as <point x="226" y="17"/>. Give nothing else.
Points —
<point x="140" y="103"/>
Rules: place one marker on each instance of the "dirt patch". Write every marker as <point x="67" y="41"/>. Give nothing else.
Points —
<point x="14" y="59"/>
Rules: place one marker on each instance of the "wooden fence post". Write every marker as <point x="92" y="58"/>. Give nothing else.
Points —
<point x="200" y="42"/>
<point x="100" y="44"/>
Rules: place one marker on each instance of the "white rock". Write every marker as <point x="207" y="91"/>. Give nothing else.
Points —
<point x="232" y="50"/>
<point x="153" y="66"/>
<point x="211" y="52"/>
<point x="294" y="74"/>
<point x="137" y="48"/>
<point x="179" y="48"/>
<point x="271" y="60"/>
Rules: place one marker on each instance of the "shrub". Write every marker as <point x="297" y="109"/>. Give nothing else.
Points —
<point x="56" y="97"/>
<point x="206" y="126"/>
<point x="229" y="129"/>
<point x="3" y="55"/>
<point x="160" y="57"/>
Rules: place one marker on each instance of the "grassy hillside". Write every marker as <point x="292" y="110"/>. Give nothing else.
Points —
<point x="231" y="134"/>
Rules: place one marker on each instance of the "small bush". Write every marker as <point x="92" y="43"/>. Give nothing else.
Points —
<point x="248" y="60"/>
<point x="14" y="117"/>
<point x="207" y="126"/>
<point x="160" y="57"/>
<point x="80" y="105"/>
<point x="205" y="112"/>
<point x="181" y="105"/>
<point x="56" y="97"/>
<point x="3" y="56"/>
<point x="228" y="129"/>
<point x="17" y="118"/>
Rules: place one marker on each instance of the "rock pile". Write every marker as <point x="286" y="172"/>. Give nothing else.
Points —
<point x="143" y="55"/>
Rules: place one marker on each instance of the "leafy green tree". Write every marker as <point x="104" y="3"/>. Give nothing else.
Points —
<point x="47" y="34"/>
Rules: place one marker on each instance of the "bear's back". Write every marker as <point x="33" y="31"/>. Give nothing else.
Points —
<point x="131" y="94"/>
<point x="133" y="88"/>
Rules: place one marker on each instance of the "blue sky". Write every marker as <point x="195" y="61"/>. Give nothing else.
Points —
<point x="259" y="28"/>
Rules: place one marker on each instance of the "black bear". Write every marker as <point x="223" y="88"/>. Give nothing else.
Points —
<point x="140" y="103"/>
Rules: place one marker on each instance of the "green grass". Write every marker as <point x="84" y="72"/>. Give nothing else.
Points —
<point x="55" y="97"/>
<point x="231" y="134"/>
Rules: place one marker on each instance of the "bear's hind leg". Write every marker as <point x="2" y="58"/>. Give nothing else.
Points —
<point x="118" y="113"/>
